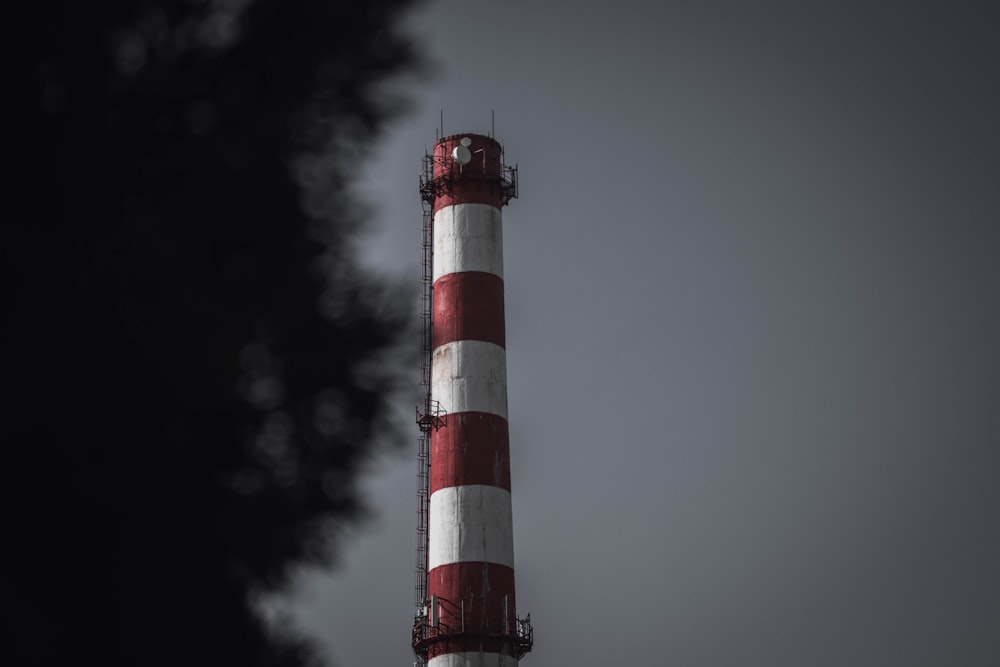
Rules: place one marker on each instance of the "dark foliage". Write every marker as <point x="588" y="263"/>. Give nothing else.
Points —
<point x="192" y="366"/>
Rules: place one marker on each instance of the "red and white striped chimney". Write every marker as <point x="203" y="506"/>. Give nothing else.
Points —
<point x="469" y="619"/>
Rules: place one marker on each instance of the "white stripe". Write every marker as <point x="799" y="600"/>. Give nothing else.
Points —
<point x="470" y="523"/>
<point x="472" y="660"/>
<point x="470" y="376"/>
<point x="468" y="237"/>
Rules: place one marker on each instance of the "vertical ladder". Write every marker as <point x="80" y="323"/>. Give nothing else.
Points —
<point x="427" y="415"/>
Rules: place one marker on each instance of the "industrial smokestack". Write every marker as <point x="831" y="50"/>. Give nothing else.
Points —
<point x="465" y="570"/>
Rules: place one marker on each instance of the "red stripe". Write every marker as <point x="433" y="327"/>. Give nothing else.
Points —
<point x="457" y="581"/>
<point x="472" y="449"/>
<point x="477" y="182"/>
<point x="475" y="590"/>
<point x="468" y="306"/>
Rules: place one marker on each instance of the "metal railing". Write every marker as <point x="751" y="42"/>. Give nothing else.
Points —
<point x="441" y="621"/>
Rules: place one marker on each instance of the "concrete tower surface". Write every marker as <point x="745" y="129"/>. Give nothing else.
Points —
<point x="467" y="616"/>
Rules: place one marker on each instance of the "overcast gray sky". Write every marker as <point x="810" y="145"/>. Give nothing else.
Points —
<point x="753" y="331"/>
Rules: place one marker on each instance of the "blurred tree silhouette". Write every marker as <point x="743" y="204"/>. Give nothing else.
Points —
<point x="192" y="351"/>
